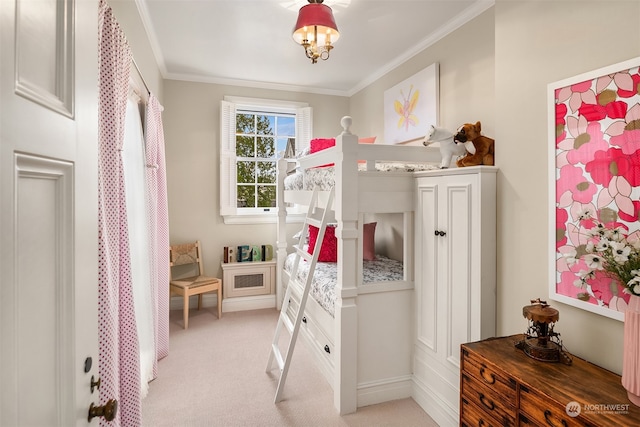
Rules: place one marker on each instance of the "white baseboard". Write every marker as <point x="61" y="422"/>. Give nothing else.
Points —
<point x="248" y="303"/>
<point x="374" y="392"/>
<point x="433" y="404"/>
<point x="228" y="304"/>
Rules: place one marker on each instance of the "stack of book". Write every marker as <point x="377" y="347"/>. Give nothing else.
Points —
<point x="248" y="253"/>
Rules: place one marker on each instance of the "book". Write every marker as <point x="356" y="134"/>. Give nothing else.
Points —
<point x="267" y="252"/>
<point x="256" y="253"/>
<point x="244" y="253"/>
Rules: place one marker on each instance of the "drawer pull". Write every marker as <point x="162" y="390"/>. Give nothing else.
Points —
<point x="304" y="319"/>
<point x="488" y="403"/>
<point x="327" y="349"/>
<point x="490" y="378"/>
<point x="547" y="414"/>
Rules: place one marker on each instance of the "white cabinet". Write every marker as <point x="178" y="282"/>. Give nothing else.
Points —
<point x="241" y="279"/>
<point x="455" y="279"/>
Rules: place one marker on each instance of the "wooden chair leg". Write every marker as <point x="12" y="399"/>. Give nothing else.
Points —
<point x="186" y="311"/>
<point x="219" y="302"/>
<point x="199" y="301"/>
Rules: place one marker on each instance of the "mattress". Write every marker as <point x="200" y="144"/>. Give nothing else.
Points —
<point x="324" y="177"/>
<point x="382" y="269"/>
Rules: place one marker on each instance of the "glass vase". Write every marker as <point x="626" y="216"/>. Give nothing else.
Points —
<point x="631" y="352"/>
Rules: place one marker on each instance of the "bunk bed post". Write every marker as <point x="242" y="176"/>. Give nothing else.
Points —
<point x="346" y="310"/>
<point x="281" y="230"/>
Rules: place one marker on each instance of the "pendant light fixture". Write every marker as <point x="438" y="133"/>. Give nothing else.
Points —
<point x="316" y="30"/>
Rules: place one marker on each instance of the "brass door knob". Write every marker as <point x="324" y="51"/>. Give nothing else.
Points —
<point x="108" y="410"/>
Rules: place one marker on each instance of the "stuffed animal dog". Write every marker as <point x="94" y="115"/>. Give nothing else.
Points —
<point x="448" y="147"/>
<point x="484" y="146"/>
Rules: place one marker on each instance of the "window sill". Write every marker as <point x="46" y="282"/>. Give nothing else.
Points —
<point x="270" y="218"/>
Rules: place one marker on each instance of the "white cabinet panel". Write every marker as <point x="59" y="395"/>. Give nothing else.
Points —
<point x="455" y="279"/>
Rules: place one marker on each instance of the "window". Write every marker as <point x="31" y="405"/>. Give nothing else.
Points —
<point x="259" y="137"/>
<point x="253" y="136"/>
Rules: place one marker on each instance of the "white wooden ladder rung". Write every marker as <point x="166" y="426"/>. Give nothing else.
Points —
<point x="318" y="217"/>
<point x="304" y="254"/>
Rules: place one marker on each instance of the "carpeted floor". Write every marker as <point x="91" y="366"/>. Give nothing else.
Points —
<point x="215" y="376"/>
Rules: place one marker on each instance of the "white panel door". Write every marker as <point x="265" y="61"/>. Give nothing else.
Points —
<point x="444" y="275"/>
<point x="48" y="211"/>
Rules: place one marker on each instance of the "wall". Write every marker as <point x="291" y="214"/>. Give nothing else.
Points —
<point x="556" y="40"/>
<point x="466" y="61"/>
<point x="192" y="134"/>
<point x="129" y="19"/>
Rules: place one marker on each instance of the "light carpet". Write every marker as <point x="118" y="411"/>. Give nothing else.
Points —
<point x="215" y="376"/>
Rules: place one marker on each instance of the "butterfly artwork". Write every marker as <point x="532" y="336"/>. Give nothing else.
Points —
<point x="405" y="108"/>
<point x="411" y="106"/>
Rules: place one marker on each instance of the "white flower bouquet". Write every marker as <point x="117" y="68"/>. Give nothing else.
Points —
<point x="610" y="250"/>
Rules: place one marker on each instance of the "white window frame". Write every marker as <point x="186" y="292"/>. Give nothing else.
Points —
<point x="228" y="173"/>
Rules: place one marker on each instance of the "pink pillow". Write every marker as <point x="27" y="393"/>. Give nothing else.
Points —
<point x="329" y="248"/>
<point x="369" y="140"/>
<point x="369" y="241"/>
<point x="320" y="144"/>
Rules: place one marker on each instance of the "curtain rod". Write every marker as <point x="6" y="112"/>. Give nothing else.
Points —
<point x="141" y="76"/>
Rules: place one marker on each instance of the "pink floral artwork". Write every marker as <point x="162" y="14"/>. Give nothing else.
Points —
<point x="595" y="132"/>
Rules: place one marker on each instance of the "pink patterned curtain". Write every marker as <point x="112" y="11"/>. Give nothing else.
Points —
<point x="158" y="225"/>
<point x="119" y="360"/>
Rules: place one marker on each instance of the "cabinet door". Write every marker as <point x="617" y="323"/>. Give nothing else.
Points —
<point x="458" y="214"/>
<point x="444" y="275"/>
<point x="428" y="251"/>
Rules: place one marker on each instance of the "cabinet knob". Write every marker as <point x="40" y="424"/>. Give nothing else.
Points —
<point x="440" y="233"/>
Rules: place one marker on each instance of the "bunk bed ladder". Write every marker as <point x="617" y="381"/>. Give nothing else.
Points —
<point x="318" y="217"/>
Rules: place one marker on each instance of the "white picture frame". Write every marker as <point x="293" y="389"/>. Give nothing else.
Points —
<point x="411" y="106"/>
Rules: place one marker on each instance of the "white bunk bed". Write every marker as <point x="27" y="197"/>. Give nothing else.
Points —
<point x="363" y="345"/>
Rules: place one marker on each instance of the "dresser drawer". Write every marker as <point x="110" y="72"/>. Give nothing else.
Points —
<point x="472" y="416"/>
<point x="495" y="380"/>
<point x="527" y="422"/>
<point x="321" y="341"/>
<point x="538" y="409"/>
<point x="487" y="399"/>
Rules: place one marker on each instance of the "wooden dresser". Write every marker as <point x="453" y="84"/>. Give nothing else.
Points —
<point x="501" y="386"/>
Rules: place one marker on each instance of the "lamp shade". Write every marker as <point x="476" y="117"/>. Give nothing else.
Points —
<point x="319" y="16"/>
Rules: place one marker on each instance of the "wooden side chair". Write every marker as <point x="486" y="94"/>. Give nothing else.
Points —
<point x="190" y="255"/>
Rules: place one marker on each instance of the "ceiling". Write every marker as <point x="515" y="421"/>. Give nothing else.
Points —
<point x="249" y="43"/>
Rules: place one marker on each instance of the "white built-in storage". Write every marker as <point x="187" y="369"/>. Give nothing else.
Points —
<point x="455" y="280"/>
<point x="241" y="279"/>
